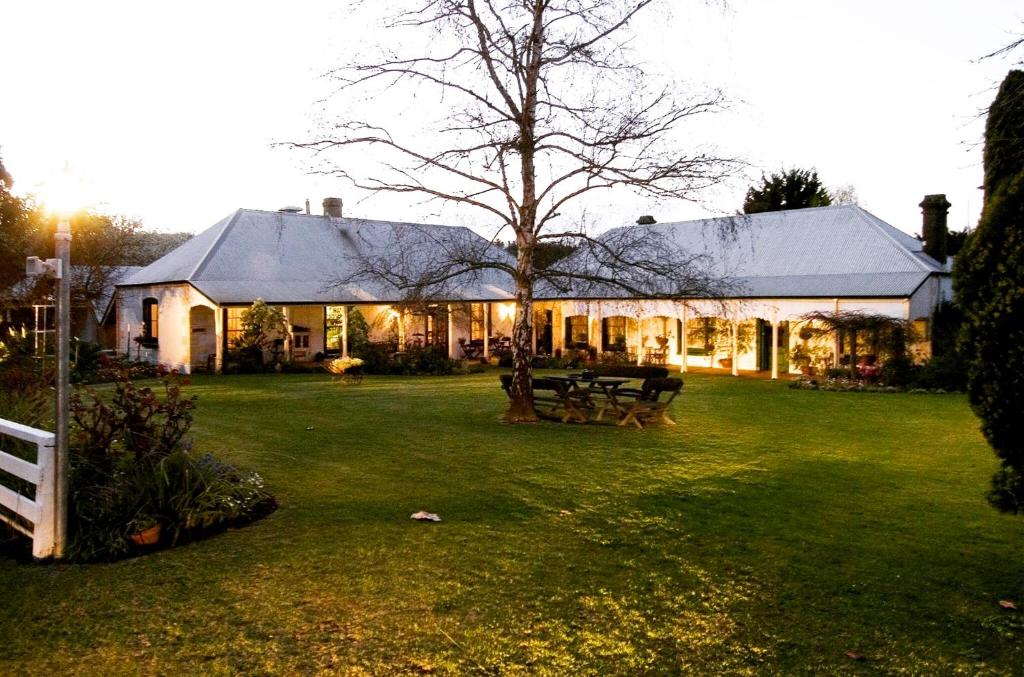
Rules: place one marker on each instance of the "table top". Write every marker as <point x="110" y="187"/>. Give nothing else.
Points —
<point x="608" y="380"/>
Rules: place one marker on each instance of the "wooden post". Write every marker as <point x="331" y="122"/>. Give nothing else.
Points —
<point x="533" y="332"/>
<point x="344" y="331"/>
<point x="835" y="342"/>
<point x="775" y="348"/>
<point x="684" y="340"/>
<point x="639" y="340"/>
<point x="487" y="331"/>
<point x="401" y="330"/>
<point x="597" y="336"/>
<point x="735" y="348"/>
<point x="451" y="334"/>
<point x="287" y="332"/>
<point x="218" y="330"/>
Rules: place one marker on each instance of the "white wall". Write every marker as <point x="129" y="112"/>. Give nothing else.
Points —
<point x="174" y="303"/>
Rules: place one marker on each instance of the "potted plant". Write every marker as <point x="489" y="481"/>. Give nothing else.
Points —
<point x="144" y="530"/>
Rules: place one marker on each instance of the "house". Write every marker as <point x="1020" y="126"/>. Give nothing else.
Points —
<point x="779" y="266"/>
<point x="184" y="309"/>
<point x="29" y="304"/>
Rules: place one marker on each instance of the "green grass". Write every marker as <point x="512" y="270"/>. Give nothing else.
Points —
<point x="772" y="530"/>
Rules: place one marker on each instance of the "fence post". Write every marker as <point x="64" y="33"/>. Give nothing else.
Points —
<point x="44" y="532"/>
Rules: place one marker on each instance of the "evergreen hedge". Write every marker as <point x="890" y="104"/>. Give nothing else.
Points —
<point x="989" y="282"/>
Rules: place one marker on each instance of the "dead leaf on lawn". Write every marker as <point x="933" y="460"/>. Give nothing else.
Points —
<point x="1007" y="604"/>
<point x="855" y="656"/>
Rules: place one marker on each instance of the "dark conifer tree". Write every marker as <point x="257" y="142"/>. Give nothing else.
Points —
<point x="989" y="282"/>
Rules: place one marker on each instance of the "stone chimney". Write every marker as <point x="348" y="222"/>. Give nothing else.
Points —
<point x="934" y="208"/>
<point x="646" y="220"/>
<point x="332" y="207"/>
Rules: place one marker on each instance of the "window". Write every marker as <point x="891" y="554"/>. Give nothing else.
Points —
<point x="615" y="329"/>
<point x="233" y="325"/>
<point x="476" y="321"/>
<point x="334" y="319"/>
<point x="300" y="337"/>
<point x="150" y="321"/>
<point x="576" y="331"/>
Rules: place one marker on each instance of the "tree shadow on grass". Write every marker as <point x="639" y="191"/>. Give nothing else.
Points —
<point x="843" y="547"/>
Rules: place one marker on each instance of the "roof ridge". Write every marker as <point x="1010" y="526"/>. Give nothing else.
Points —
<point x="205" y="258"/>
<point x="863" y="215"/>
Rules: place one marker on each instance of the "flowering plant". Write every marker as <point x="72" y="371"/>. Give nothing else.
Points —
<point x="341" y="365"/>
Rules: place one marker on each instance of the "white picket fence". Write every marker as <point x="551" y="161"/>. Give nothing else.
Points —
<point x="40" y="512"/>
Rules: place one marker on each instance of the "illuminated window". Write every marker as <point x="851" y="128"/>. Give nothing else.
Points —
<point x="614" y="334"/>
<point x="334" y="319"/>
<point x="577" y="331"/>
<point x="233" y="325"/>
<point x="476" y="318"/>
<point x="150" y="321"/>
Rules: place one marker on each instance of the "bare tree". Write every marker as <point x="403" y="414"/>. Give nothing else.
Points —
<point x="543" y="107"/>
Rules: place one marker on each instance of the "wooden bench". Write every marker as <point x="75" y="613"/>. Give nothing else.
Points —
<point x="648" y="407"/>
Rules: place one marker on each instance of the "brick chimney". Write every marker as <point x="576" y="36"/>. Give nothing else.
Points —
<point x="934" y="209"/>
<point x="332" y="207"/>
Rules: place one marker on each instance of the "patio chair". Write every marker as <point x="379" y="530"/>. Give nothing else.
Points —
<point x="648" y="407"/>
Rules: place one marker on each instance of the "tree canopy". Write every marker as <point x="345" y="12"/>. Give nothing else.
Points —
<point x="787" y="189"/>
<point x="543" y="106"/>
<point x="989" y="281"/>
<point x="100" y="243"/>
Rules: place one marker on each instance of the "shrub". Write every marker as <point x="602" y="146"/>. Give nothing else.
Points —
<point x="262" y="327"/>
<point x="429" y="360"/>
<point x="132" y="466"/>
<point x="988" y="276"/>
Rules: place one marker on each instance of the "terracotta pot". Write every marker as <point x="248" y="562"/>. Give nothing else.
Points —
<point x="150" y="536"/>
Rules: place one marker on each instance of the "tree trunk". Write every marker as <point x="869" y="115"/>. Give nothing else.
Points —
<point x="521" y="407"/>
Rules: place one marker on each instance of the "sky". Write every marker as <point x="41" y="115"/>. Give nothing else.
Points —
<point x="170" y="112"/>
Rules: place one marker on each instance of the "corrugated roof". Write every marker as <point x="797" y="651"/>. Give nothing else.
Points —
<point x="285" y="257"/>
<point x="818" y="252"/>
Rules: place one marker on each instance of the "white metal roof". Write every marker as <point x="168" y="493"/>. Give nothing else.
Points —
<point x="281" y="257"/>
<point x="285" y="257"/>
<point x="840" y="251"/>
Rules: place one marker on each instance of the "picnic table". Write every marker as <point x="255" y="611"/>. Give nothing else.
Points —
<point x="595" y="392"/>
<point x="574" y="398"/>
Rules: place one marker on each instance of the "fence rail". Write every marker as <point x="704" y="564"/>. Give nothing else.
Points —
<point x="40" y="512"/>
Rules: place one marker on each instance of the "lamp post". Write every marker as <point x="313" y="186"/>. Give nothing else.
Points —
<point x="59" y="269"/>
<point x="62" y="252"/>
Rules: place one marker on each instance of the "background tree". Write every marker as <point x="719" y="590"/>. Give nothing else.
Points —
<point x="19" y="223"/>
<point x="989" y="280"/>
<point x="102" y="244"/>
<point x="543" y="106"/>
<point x="788" y="189"/>
<point x="844" y="195"/>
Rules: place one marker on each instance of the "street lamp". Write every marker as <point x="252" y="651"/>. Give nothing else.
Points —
<point x="63" y="202"/>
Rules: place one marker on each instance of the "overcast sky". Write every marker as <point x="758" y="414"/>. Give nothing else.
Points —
<point x="169" y="110"/>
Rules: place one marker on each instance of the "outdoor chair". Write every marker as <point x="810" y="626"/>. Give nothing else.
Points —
<point x="649" y="407"/>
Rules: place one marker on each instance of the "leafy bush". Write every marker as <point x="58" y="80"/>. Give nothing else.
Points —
<point x="429" y="360"/>
<point x="252" y="352"/>
<point x="132" y="466"/>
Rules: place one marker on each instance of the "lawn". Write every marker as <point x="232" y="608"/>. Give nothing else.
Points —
<point x="772" y="530"/>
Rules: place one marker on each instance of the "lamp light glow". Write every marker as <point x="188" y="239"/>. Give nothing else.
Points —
<point x="65" y="194"/>
<point x="506" y="311"/>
